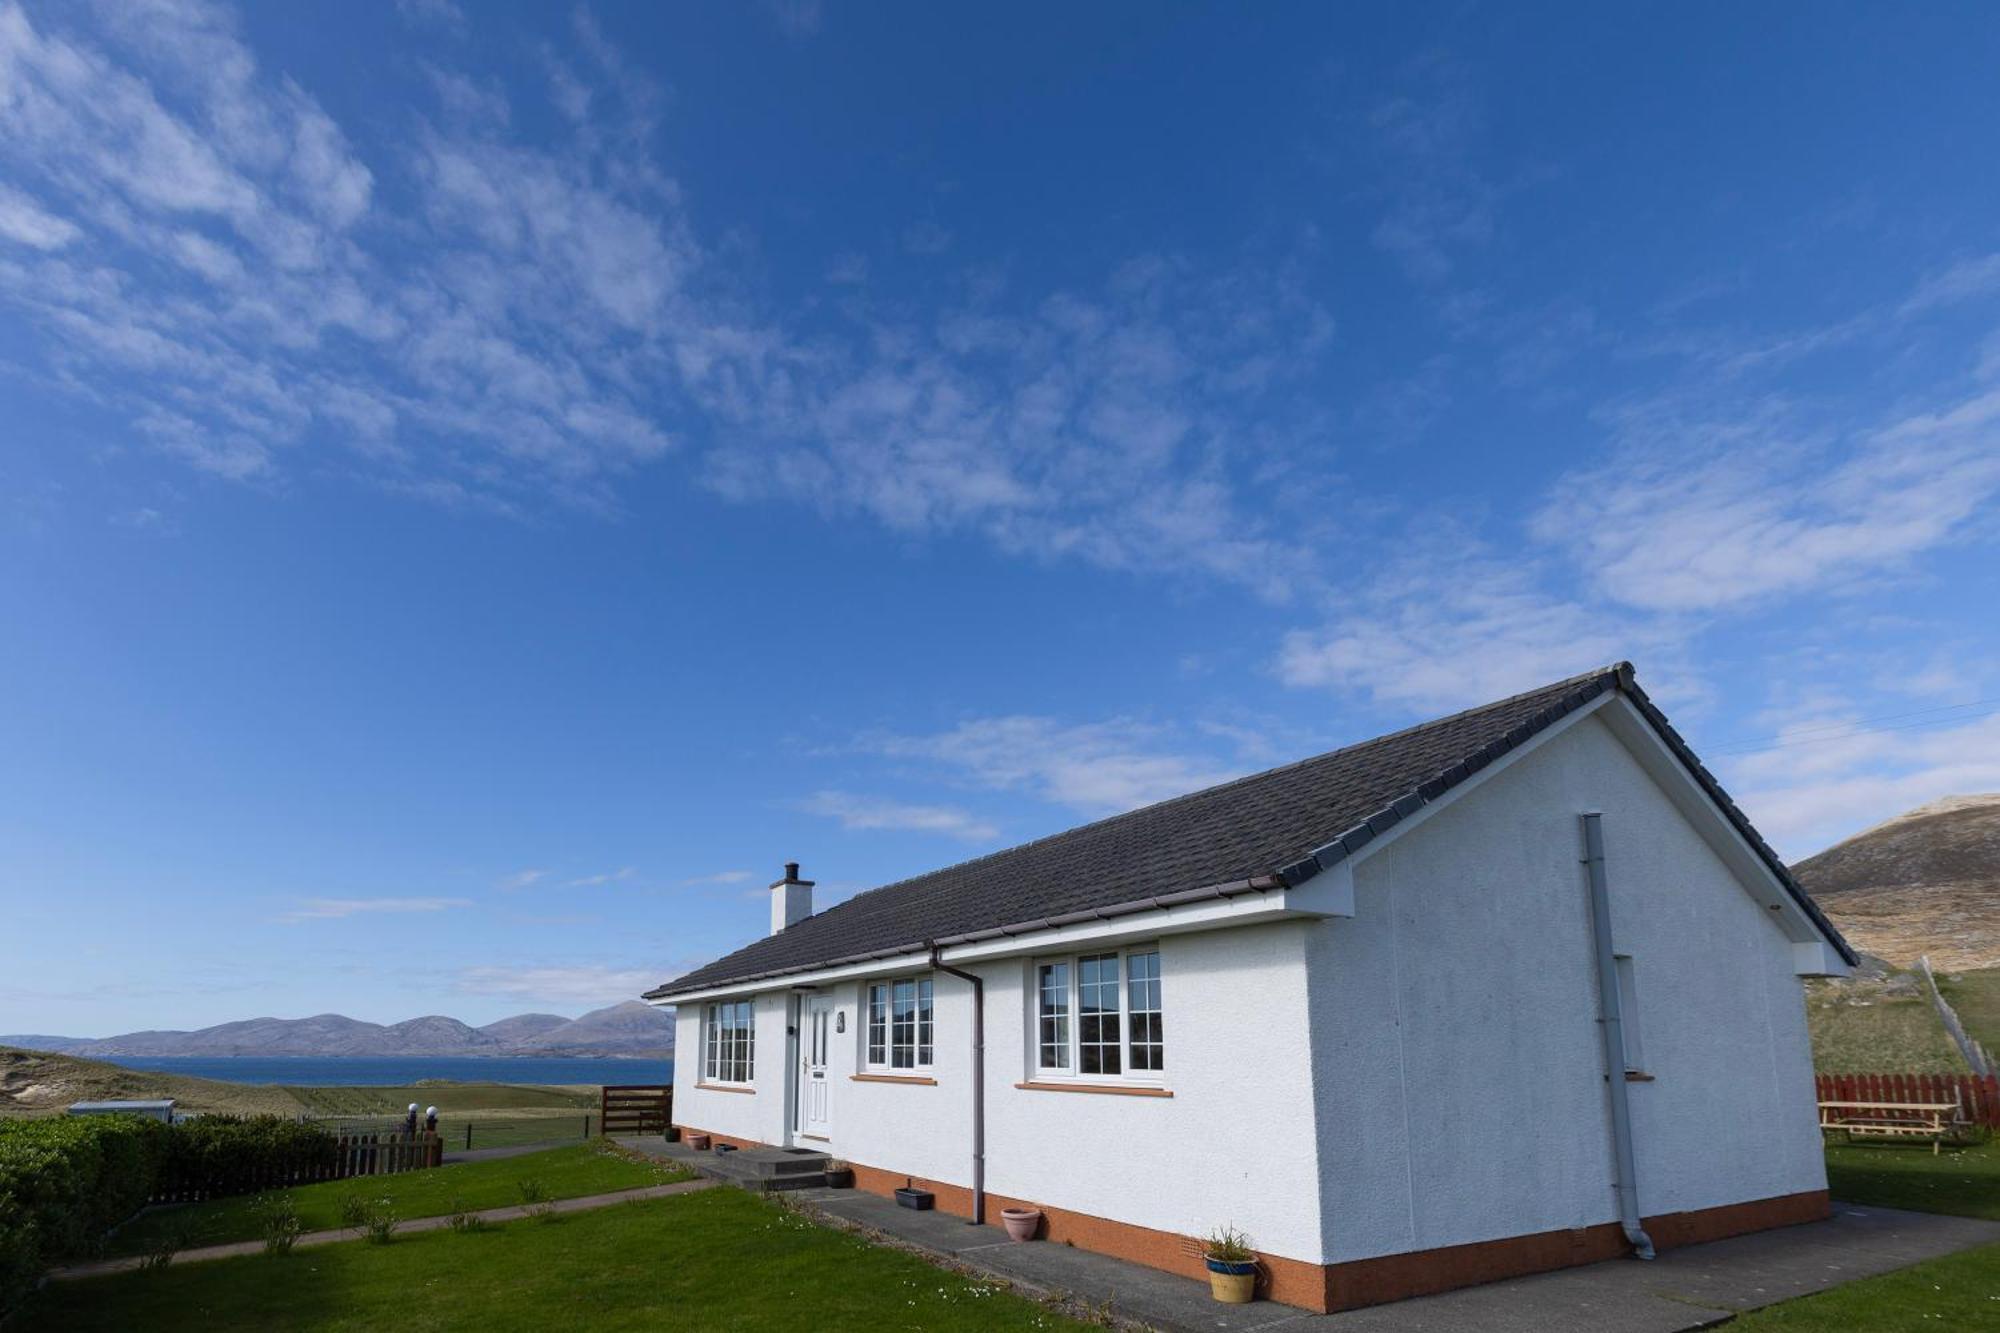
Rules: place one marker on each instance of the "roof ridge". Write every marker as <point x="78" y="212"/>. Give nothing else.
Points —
<point x="1612" y="669"/>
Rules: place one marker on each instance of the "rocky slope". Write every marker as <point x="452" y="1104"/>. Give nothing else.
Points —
<point x="1925" y="882"/>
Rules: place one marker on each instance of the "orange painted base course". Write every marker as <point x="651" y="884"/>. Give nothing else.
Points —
<point x="1390" y="1277"/>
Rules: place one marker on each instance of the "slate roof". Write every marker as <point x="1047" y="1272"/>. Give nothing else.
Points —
<point x="1261" y="832"/>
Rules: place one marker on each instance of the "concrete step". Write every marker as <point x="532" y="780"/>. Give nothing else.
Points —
<point x="763" y="1170"/>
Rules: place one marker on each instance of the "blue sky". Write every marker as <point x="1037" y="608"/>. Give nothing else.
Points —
<point x="481" y="487"/>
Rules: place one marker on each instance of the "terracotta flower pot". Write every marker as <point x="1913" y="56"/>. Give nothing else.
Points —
<point x="1232" y="1281"/>
<point x="1021" y="1223"/>
<point x="698" y="1142"/>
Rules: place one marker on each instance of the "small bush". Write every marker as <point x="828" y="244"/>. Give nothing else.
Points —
<point x="535" y="1200"/>
<point x="378" y="1222"/>
<point x="462" y="1218"/>
<point x="167" y="1242"/>
<point x="278" y="1218"/>
<point x="354" y="1212"/>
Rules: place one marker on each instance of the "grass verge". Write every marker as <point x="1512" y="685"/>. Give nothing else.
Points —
<point x="1962" y="1181"/>
<point x="1960" y="1291"/>
<point x="564" y="1173"/>
<point x="1976" y="997"/>
<point x="720" y="1259"/>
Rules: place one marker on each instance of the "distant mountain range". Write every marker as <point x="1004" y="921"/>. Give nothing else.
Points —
<point x="1925" y="882"/>
<point x="630" y="1029"/>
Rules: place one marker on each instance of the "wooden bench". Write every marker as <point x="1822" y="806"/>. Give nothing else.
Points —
<point x="1893" y="1120"/>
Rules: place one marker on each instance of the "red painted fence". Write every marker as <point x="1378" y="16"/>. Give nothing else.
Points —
<point x="1978" y="1094"/>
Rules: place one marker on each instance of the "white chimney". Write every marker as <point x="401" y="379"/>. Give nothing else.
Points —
<point x="791" y="899"/>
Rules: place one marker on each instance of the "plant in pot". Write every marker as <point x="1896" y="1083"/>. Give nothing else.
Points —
<point x="839" y="1175"/>
<point x="1021" y="1223"/>
<point x="1232" y="1266"/>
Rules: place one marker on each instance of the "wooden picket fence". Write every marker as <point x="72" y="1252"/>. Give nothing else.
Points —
<point x="1979" y="1094"/>
<point x="353" y="1155"/>
<point x="636" y="1108"/>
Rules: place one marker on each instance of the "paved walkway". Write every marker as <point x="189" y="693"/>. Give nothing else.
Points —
<point x="1695" y="1287"/>
<point x="411" y="1227"/>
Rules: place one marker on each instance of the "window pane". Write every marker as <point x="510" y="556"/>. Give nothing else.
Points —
<point x="712" y="1055"/>
<point x="924" y="1022"/>
<point x="1054" y="1002"/>
<point x="1097" y="1014"/>
<point x="1142" y="1003"/>
<point x="903" y="1026"/>
<point x="878" y="1024"/>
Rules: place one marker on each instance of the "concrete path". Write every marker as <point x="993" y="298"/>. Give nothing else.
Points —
<point x="409" y="1228"/>
<point x="1695" y="1287"/>
<point x="1698" y="1286"/>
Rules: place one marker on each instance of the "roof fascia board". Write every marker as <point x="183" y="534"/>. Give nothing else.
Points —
<point x="1249" y="908"/>
<point x="1446" y="798"/>
<point x="1813" y="954"/>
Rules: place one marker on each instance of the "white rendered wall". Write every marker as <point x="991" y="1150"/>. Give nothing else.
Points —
<point x="759" y="1116"/>
<point x="1460" y="1091"/>
<point x="1234" y="1144"/>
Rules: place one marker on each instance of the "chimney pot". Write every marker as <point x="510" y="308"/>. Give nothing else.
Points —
<point x="791" y="899"/>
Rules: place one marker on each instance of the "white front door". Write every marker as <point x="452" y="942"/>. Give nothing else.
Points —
<point x="815" y="1042"/>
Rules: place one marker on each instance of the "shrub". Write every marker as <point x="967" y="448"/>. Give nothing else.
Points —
<point x="354" y="1212"/>
<point x="167" y="1242"/>
<point x="535" y="1200"/>
<point x="378" y="1221"/>
<point x="462" y="1217"/>
<point x="278" y="1218"/>
<point x="66" y="1181"/>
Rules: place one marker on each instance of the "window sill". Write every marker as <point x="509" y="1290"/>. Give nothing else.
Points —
<point x="922" y="1080"/>
<point x="1637" y="1076"/>
<point x="1112" y="1089"/>
<point x="726" y="1087"/>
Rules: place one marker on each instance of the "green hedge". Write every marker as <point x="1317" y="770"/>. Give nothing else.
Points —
<point x="66" y="1181"/>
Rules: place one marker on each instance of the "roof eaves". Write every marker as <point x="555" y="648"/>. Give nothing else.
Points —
<point x="1160" y="902"/>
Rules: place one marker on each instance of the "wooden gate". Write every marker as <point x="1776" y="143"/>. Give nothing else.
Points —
<point x="637" y="1108"/>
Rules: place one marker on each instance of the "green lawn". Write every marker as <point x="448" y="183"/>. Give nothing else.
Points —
<point x="1976" y="997"/>
<point x="1961" y="1291"/>
<point x="720" y="1259"/>
<point x="1864" y="1026"/>
<point x="448" y="1097"/>
<point x="1965" y="1181"/>
<point x="566" y="1173"/>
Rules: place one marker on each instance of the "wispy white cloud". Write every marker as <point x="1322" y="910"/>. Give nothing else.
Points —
<point x="593" y="984"/>
<point x="602" y="878"/>
<point x="1093" y="767"/>
<point x="1963" y="281"/>
<point x="1456" y="634"/>
<point x="719" y="877"/>
<point x="1695" y="515"/>
<point x="869" y="813"/>
<point x="1827" y="774"/>
<point x="522" y="879"/>
<point x="333" y="909"/>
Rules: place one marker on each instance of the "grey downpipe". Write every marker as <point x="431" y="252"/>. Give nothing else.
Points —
<point x="1612" y="1030"/>
<point x="978" y="1082"/>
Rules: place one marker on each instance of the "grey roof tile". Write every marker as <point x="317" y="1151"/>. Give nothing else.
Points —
<point x="1256" y="833"/>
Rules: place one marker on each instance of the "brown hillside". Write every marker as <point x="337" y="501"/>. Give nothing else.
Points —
<point x="41" y="1083"/>
<point x="1925" y="882"/>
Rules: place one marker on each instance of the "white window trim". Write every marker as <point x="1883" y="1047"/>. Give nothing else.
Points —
<point x="866" y="1063"/>
<point x="711" y="1056"/>
<point x="1147" y="1078"/>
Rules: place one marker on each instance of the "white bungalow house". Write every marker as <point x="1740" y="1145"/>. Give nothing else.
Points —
<point x="1511" y="990"/>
